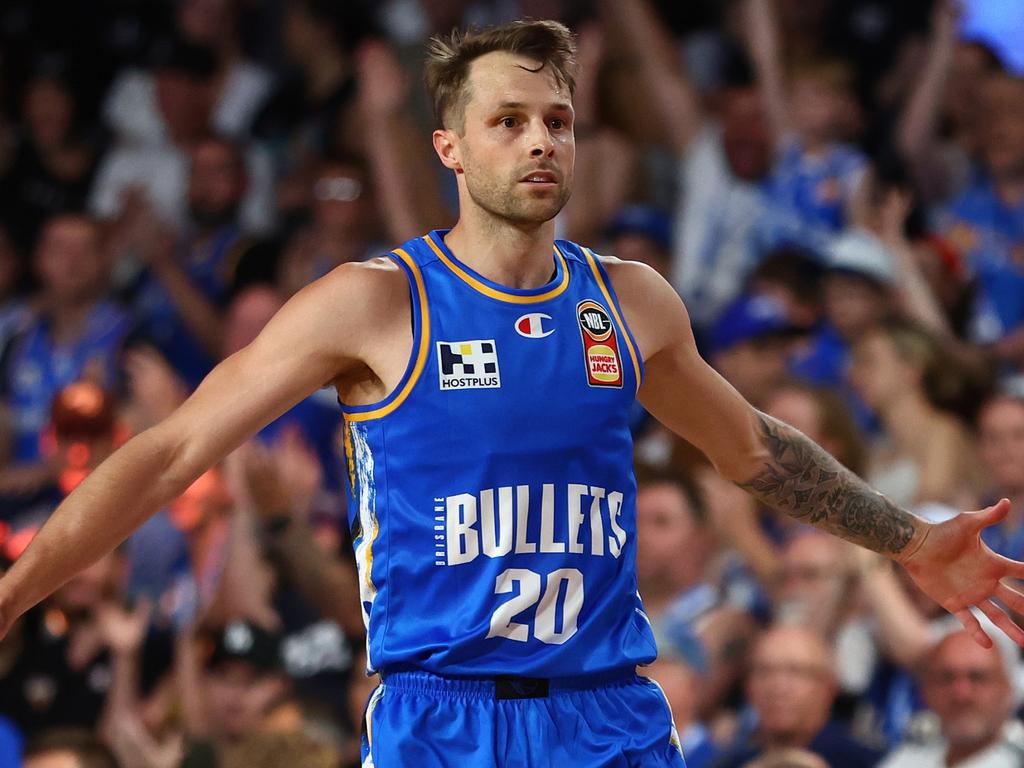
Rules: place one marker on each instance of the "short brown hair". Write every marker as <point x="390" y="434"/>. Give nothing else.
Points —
<point x="449" y="57"/>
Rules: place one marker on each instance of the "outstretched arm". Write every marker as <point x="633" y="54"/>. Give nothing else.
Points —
<point x="789" y="472"/>
<point x="298" y="352"/>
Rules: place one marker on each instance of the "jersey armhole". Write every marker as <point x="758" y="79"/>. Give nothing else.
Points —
<point x="605" y="284"/>
<point x="420" y="346"/>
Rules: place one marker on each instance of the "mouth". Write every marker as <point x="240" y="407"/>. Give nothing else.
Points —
<point x="540" y="179"/>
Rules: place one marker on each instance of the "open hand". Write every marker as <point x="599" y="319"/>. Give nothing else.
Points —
<point x="955" y="568"/>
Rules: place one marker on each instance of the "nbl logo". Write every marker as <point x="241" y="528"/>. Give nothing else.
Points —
<point x="600" y="345"/>
<point x="468" y="364"/>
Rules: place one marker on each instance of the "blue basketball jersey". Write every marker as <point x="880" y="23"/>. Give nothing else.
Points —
<point x="491" y="495"/>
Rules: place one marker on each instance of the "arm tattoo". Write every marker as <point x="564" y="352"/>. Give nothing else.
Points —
<point x="804" y="481"/>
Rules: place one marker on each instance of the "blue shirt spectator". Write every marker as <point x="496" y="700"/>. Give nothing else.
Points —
<point x="990" y="234"/>
<point x="807" y="195"/>
<point x="39" y="367"/>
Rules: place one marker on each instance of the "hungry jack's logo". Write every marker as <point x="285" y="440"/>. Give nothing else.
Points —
<point x="600" y="345"/>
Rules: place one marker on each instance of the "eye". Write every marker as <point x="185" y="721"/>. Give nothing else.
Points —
<point x="508" y="122"/>
<point x="558" y="123"/>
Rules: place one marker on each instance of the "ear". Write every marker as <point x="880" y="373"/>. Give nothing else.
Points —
<point x="446" y="144"/>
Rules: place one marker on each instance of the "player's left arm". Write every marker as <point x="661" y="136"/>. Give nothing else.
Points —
<point x="789" y="472"/>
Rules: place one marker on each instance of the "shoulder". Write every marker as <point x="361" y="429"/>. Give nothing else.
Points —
<point x="653" y="309"/>
<point x="376" y="286"/>
<point x="629" y="274"/>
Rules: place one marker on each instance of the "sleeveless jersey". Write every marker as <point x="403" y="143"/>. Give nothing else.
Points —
<point x="491" y="494"/>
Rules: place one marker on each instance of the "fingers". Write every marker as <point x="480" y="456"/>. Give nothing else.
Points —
<point x="1001" y="619"/>
<point x="973" y="627"/>
<point x="1013" y="599"/>
<point x="990" y="515"/>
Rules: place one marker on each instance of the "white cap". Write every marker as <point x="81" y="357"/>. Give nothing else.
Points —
<point x="858" y="251"/>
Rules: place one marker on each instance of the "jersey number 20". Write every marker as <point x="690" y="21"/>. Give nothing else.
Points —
<point x="553" y="602"/>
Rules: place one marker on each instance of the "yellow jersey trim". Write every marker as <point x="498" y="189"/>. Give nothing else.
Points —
<point x="494" y="293"/>
<point x="421" y="354"/>
<point x="618" y="318"/>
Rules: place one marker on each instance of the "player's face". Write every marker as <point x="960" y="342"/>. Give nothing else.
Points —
<point x="516" y="150"/>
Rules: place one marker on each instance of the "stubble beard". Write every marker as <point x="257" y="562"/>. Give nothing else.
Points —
<point x="506" y="201"/>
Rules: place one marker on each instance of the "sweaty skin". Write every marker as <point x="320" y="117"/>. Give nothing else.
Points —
<point x="512" y="155"/>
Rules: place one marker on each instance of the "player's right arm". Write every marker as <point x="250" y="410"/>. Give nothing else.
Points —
<point x="321" y="336"/>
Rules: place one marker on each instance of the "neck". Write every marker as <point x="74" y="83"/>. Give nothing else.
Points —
<point x="516" y="256"/>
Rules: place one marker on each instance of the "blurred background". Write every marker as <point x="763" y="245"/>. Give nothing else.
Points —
<point x="835" y="188"/>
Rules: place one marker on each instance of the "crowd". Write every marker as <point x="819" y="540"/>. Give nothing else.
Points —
<point x="835" y="188"/>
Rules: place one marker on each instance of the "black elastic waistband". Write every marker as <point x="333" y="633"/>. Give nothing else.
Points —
<point x="503" y="686"/>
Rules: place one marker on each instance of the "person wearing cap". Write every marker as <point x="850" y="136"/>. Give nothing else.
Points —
<point x="244" y="681"/>
<point x="858" y="283"/>
<point x="972" y="691"/>
<point x="750" y="344"/>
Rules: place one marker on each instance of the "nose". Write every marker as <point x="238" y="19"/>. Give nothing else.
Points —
<point x="541" y="144"/>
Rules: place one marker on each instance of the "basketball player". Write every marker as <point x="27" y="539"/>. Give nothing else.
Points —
<point x="487" y="374"/>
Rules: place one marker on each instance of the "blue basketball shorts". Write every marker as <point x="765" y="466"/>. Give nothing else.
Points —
<point x="420" y="720"/>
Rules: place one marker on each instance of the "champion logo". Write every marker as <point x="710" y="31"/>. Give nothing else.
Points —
<point x="534" y="326"/>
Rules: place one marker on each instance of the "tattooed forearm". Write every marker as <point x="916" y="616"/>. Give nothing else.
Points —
<point x="804" y="481"/>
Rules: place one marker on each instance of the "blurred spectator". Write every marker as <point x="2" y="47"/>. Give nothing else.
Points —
<point x="788" y="758"/>
<point x="642" y="233"/>
<point x="272" y="750"/>
<point x="344" y="226"/>
<point x="62" y="673"/>
<point x="179" y="298"/>
<point x="791" y="687"/>
<point x="671" y="519"/>
<point x="940" y="130"/>
<point x="971" y="691"/>
<point x="1001" y="446"/>
<point x="858" y="293"/>
<point x="132" y="108"/>
<point x="817" y="590"/>
<point x="76" y="332"/>
<point x="244" y="682"/>
<point x="312" y="111"/>
<point x="986" y="222"/>
<point x="750" y="344"/>
<point x="926" y="454"/>
<point x="721" y="163"/>
<point x="680" y="674"/>
<point x="814" y="182"/>
<point x="68" y="748"/>
<point x="53" y="166"/>
<point x="153" y="176"/>
<point x="793" y="278"/>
